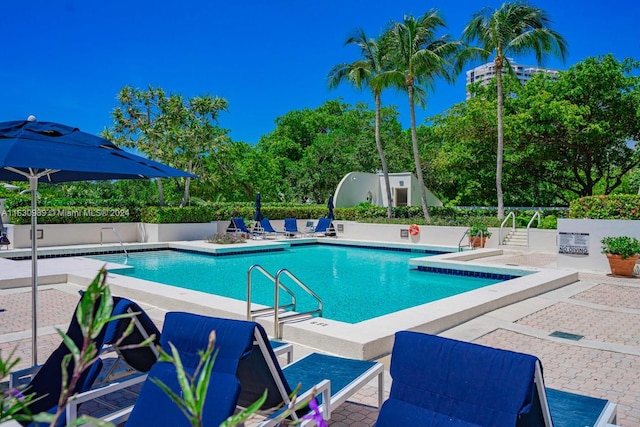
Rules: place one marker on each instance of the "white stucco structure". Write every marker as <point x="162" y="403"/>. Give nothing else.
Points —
<point x="358" y="187"/>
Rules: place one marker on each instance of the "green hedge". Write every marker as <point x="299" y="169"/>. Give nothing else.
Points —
<point x="170" y="215"/>
<point x="619" y="206"/>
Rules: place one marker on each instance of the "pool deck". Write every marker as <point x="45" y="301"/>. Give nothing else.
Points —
<point x="605" y="310"/>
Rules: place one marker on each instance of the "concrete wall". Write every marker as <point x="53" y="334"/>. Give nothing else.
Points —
<point x="584" y="235"/>
<point x="175" y="232"/>
<point x="129" y="232"/>
<point x="72" y="234"/>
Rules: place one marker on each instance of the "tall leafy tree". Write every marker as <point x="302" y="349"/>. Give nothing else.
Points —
<point x="582" y="129"/>
<point x="368" y="71"/>
<point x="419" y="57"/>
<point x="514" y="28"/>
<point x="169" y="128"/>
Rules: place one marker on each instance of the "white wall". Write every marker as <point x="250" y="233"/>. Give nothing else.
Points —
<point x="72" y="234"/>
<point x="129" y="232"/>
<point x="154" y="233"/>
<point x="592" y="231"/>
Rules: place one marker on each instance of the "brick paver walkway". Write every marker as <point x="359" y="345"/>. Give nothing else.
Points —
<point x="593" y="323"/>
<point x="612" y="295"/>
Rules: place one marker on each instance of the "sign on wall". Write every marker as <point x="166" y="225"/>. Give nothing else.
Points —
<point x="573" y="243"/>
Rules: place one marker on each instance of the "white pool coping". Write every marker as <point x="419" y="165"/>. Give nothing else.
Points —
<point x="364" y="340"/>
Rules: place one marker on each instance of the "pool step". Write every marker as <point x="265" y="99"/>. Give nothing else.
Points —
<point x="517" y="237"/>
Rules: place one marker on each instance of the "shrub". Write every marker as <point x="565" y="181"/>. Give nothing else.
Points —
<point x="624" y="246"/>
<point x="549" y="222"/>
<point x="173" y="215"/>
<point x="226" y="238"/>
<point x="622" y="206"/>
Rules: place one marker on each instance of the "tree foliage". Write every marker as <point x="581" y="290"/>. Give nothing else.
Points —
<point x="169" y="128"/>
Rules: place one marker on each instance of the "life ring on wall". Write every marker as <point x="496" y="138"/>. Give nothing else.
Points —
<point x="414" y="230"/>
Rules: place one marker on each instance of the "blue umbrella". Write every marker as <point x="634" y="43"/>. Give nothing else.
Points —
<point x="258" y="215"/>
<point x="330" y="207"/>
<point x="51" y="152"/>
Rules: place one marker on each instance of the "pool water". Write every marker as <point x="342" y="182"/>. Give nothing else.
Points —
<point x="355" y="284"/>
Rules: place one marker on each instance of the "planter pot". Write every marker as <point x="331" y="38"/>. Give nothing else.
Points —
<point x="622" y="267"/>
<point x="477" y="242"/>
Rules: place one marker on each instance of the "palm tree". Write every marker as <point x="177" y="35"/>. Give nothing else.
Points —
<point x="514" y="28"/>
<point x="368" y="71"/>
<point x="419" y="57"/>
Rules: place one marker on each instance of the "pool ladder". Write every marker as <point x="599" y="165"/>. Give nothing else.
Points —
<point x="281" y="313"/>
<point x="117" y="237"/>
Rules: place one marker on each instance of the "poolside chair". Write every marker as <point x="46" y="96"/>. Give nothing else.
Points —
<point x="268" y="229"/>
<point x="47" y="380"/>
<point x="438" y="381"/>
<point x="238" y="226"/>
<point x="189" y="333"/>
<point x="131" y="359"/>
<point x="291" y="227"/>
<point x="323" y="227"/>
<point x="335" y="378"/>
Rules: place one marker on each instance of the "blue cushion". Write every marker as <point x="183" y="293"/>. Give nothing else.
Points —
<point x="462" y="381"/>
<point x="154" y="408"/>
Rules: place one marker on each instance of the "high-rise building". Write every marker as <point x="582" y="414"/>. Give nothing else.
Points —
<point x="484" y="73"/>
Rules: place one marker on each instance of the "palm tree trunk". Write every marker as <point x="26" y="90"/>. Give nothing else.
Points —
<point x="160" y="192"/>
<point x="500" y="154"/>
<point x="385" y="170"/>
<point x="187" y="182"/>
<point x="416" y="153"/>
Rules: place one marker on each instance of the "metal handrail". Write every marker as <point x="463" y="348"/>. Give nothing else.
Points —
<point x="273" y="279"/>
<point x="276" y="314"/>
<point x="117" y="237"/>
<point x="513" y="225"/>
<point x="472" y="241"/>
<point x="462" y="238"/>
<point x="537" y="214"/>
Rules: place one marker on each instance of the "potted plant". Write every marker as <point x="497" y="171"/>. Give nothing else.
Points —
<point x="478" y="235"/>
<point x="622" y="253"/>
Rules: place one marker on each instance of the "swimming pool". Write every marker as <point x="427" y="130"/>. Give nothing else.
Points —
<point x="355" y="283"/>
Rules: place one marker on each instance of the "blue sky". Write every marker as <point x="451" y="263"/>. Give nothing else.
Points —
<point x="65" y="61"/>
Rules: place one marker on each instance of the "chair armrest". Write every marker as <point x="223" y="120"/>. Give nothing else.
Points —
<point x="75" y="400"/>
<point x="15" y="377"/>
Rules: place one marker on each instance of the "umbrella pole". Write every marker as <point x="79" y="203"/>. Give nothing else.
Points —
<point x="33" y="185"/>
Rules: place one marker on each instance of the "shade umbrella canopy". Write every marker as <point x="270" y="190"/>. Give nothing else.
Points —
<point x="330" y="208"/>
<point x="258" y="215"/>
<point x="52" y="152"/>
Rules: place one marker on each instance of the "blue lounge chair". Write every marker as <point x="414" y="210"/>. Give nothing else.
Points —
<point x="268" y="229"/>
<point x="291" y="227"/>
<point x="46" y="383"/>
<point x="134" y="359"/>
<point x="440" y="381"/>
<point x="238" y="226"/>
<point x="334" y="378"/>
<point x="323" y="227"/>
<point x="189" y="333"/>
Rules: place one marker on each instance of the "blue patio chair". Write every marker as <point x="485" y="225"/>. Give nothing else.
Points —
<point x="189" y="333"/>
<point x="46" y="383"/>
<point x="238" y="226"/>
<point x="268" y="229"/>
<point x="291" y="227"/>
<point x="440" y="381"/>
<point x="131" y="359"/>
<point x="334" y="378"/>
<point x="323" y="227"/>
